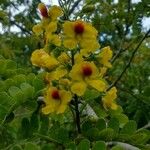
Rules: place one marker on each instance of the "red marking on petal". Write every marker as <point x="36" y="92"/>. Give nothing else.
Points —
<point x="79" y="28"/>
<point x="87" y="70"/>
<point x="55" y="94"/>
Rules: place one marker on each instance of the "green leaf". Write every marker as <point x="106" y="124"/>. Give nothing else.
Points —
<point x="122" y="118"/>
<point x="117" y="147"/>
<point x="44" y="127"/>
<point x="31" y="146"/>
<point x="16" y="147"/>
<point x="146" y="91"/>
<point x="61" y="135"/>
<point x="19" y="79"/>
<point x="71" y="146"/>
<point x="86" y="126"/>
<point x="6" y="100"/>
<point x="17" y="94"/>
<point x="92" y="133"/>
<point x="107" y="134"/>
<point x="91" y="95"/>
<point x="50" y="146"/>
<point x="114" y="124"/>
<point x="84" y="145"/>
<point x="2" y="86"/>
<point x="38" y="84"/>
<point x="30" y="77"/>
<point x="11" y="64"/>
<point x="9" y="83"/>
<point x="3" y="66"/>
<point x="99" y="145"/>
<point x="34" y="122"/>
<point x="25" y="128"/>
<point x="129" y="128"/>
<point x="101" y="124"/>
<point x="27" y="89"/>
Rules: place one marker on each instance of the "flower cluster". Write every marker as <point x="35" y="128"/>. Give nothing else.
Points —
<point x="72" y="59"/>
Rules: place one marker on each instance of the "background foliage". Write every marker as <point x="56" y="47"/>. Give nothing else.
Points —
<point x="120" y="26"/>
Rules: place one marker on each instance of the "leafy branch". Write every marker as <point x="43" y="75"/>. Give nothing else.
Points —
<point x="130" y="60"/>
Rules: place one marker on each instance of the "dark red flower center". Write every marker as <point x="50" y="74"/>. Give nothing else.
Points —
<point x="55" y="95"/>
<point x="87" y="70"/>
<point x="79" y="28"/>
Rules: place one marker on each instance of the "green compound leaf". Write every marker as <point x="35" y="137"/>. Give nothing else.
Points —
<point x="3" y="66"/>
<point x="84" y="145"/>
<point x="129" y="128"/>
<point x="27" y="89"/>
<point x="17" y="94"/>
<point x="114" y="124"/>
<point x="11" y="64"/>
<point x="31" y="146"/>
<point x="99" y="145"/>
<point x="122" y="118"/>
<point x="117" y="147"/>
<point x="38" y="84"/>
<point x="107" y="134"/>
<point x="19" y="79"/>
<point x="71" y="146"/>
<point x="50" y="146"/>
<point x="91" y="95"/>
<point x="101" y="124"/>
<point x="16" y="147"/>
<point x="92" y="133"/>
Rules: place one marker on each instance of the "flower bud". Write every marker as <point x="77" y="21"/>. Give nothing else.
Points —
<point x="43" y="10"/>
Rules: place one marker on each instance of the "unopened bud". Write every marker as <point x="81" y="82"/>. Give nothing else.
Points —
<point x="43" y="10"/>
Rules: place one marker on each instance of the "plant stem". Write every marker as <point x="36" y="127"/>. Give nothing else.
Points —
<point x="77" y="114"/>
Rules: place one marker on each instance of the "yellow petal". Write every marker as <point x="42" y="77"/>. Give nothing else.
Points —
<point x="64" y="58"/>
<point x="79" y="88"/>
<point x="48" y="109"/>
<point x="52" y="27"/>
<point x="114" y="106"/>
<point x="97" y="84"/>
<point x="70" y="43"/>
<point x="55" y="12"/>
<point x="76" y="72"/>
<point x="65" y="97"/>
<point x="61" y="109"/>
<point x="68" y="29"/>
<point x="37" y="29"/>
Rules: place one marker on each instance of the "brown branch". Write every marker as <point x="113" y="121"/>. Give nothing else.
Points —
<point x="20" y="27"/>
<point x="74" y="6"/>
<point x="129" y="63"/>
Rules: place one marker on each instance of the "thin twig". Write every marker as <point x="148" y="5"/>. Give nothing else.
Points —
<point x="77" y="114"/>
<point x="129" y="63"/>
<point x="145" y="127"/>
<point x="74" y="6"/>
<point x="125" y="146"/>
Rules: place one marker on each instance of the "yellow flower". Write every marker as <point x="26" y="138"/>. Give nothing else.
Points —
<point x="85" y="74"/>
<point x="56" y="100"/>
<point x="109" y="99"/>
<point x="56" y="74"/>
<point x="105" y="56"/>
<point x="54" y="12"/>
<point x="103" y="71"/>
<point x="37" y="29"/>
<point x="50" y="35"/>
<point x="64" y="58"/>
<point x="80" y="33"/>
<point x="42" y="59"/>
